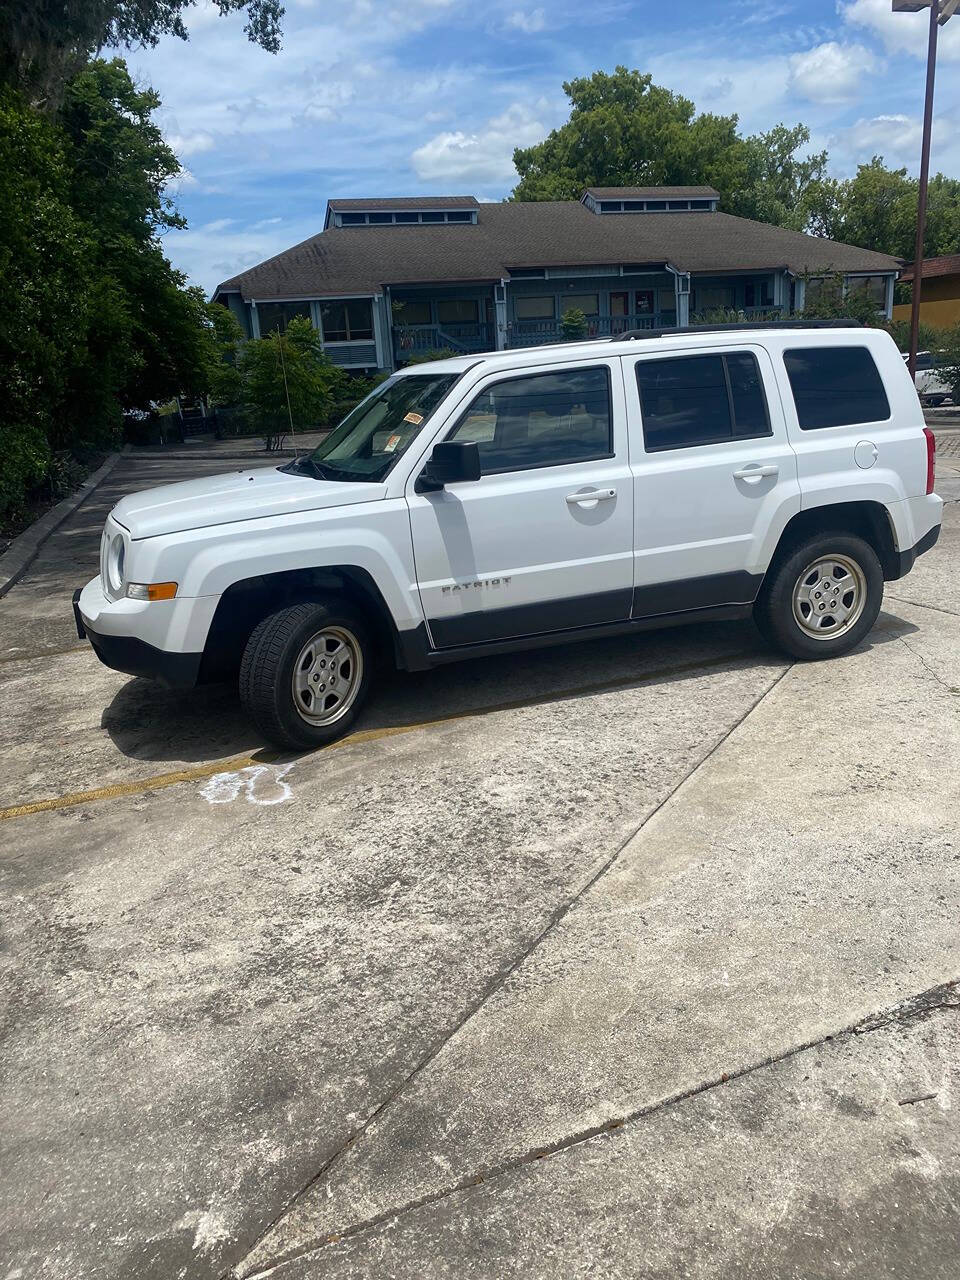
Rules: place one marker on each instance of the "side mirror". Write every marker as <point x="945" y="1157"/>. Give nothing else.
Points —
<point x="450" y="461"/>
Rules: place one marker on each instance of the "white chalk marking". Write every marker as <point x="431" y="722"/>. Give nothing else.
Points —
<point x="262" y="784"/>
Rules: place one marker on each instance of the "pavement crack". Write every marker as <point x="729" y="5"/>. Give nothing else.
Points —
<point x="923" y="1004"/>
<point x="915" y="604"/>
<point x="498" y="980"/>
<point x="931" y="671"/>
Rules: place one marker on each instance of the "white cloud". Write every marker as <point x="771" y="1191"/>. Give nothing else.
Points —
<point x="190" y="144"/>
<point x="896" y="138"/>
<point x="481" y="157"/>
<point x="529" y="23"/>
<point x="830" y="72"/>
<point x="902" y="32"/>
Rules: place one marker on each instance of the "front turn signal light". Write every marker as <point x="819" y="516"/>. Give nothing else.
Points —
<point x="151" y="590"/>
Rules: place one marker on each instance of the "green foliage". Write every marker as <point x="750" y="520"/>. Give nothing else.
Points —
<point x="434" y="353"/>
<point x="573" y="324"/>
<point x="930" y="339"/>
<point x="877" y="209"/>
<point x="949" y="370"/>
<point x="44" y="45"/>
<point x="286" y="379"/>
<point x="93" y="319"/>
<point x="222" y="336"/>
<point x="626" y="131"/>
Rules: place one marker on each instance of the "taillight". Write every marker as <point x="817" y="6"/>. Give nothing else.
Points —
<point x="931" y="457"/>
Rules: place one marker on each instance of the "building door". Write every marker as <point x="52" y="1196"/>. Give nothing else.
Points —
<point x="619" y="312"/>
<point x="543" y="541"/>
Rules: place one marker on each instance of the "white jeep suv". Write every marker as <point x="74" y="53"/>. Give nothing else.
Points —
<point x="497" y="502"/>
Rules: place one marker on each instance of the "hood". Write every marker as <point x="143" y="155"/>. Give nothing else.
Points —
<point x="237" y="495"/>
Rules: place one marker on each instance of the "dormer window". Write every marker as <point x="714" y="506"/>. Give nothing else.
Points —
<point x="620" y="200"/>
<point x="417" y="211"/>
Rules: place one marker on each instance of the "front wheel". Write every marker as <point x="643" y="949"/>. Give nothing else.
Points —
<point x="822" y="598"/>
<point x="305" y="673"/>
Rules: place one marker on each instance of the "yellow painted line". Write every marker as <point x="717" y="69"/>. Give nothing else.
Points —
<point x="43" y="653"/>
<point x="159" y="781"/>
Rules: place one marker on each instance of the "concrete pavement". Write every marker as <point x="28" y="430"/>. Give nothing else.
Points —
<point x="265" y="1014"/>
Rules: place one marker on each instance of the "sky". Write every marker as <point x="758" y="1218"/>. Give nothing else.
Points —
<point x="405" y="97"/>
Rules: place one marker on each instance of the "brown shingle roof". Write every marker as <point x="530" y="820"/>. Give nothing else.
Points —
<point x="653" y="193"/>
<point x="945" y="266"/>
<point x="359" y="260"/>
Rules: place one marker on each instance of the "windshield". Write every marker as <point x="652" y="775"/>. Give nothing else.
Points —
<point x="378" y="431"/>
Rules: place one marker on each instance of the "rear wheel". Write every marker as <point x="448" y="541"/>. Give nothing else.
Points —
<point x="823" y="597"/>
<point x="305" y="673"/>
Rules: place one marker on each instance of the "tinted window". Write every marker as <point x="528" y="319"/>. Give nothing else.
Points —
<point x="835" y="387"/>
<point x="693" y="400"/>
<point x="541" y="421"/>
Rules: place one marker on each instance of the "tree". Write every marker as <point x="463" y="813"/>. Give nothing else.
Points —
<point x="93" y="318"/>
<point x="835" y="300"/>
<point x="877" y="209"/>
<point x="626" y="131"/>
<point x="43" y="45"/>
<point x="287" y="380"/>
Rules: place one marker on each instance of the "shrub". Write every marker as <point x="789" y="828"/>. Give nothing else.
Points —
<point x="574" y="324"/>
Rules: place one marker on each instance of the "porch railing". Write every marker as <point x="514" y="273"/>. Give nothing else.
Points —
<point x="531" y="333"/>
<point x="414" y="339"/>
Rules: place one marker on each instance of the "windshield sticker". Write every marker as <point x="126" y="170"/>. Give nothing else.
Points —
<point x="415" y="418"/>
<point x="391" y="444"/>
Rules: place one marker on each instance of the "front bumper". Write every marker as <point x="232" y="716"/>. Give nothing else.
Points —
<point x="135" y="657"/>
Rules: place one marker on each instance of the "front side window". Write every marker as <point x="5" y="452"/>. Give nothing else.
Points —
<point x="275" y="316"/>
<point x="347" y="321"/>
<point x="835" y="387"/>
<point x="371" y="438"/>
<point x="542" y="420"/>
<point x="697" y="400"/>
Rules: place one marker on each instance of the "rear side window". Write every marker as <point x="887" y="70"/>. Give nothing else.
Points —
<point x="835" y="387"/>
<point x="541" y="420"/>
<point x="693" y="400"/>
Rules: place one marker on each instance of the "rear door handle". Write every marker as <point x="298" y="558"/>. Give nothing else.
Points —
<point x="754" y="473"/>
<point x="591" y="495"/>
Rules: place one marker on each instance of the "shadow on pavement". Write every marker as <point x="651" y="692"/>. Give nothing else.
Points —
<point x="149" y="722"/>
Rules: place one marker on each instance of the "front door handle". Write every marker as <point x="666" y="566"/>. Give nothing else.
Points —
<point x="754" y="473"/>
<point x="591" y="495"/>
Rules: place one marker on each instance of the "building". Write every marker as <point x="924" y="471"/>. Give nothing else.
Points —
<point x="939" y="292"/>
<point x="387" y="279"/>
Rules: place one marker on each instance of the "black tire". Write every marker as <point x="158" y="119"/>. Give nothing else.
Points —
<point x="267" y="672"/>
<point x="774" y="610"/>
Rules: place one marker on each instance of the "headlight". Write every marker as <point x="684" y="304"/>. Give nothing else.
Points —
<point x="115" y="558"/>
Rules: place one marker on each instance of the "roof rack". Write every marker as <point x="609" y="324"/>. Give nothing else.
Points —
<point x="739" y="326"/>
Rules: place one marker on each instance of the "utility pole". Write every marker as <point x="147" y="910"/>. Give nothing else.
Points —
<point x="940" y="11"/>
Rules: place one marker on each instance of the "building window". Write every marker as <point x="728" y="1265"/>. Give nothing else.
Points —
<point x="347" y="321"/>
<point x="698" y="400"/>
<point x="588" y="303"/>
<point x="544" y="420"/>
<point x="610" y="206"/>
<point x="714" y="299"/>
<point x="535" y="308"/>
<point x="835" y="387"/>
<point x="415" y="313"/>
<point x="431" y="217"/>
<point x="353" y="219"/>
<point x="406" y="217"/>
<point x="460" y="217"/>
<point x="457" y="311"/>
<point x="275" y="316"/>
<point x="872" y="287"/>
